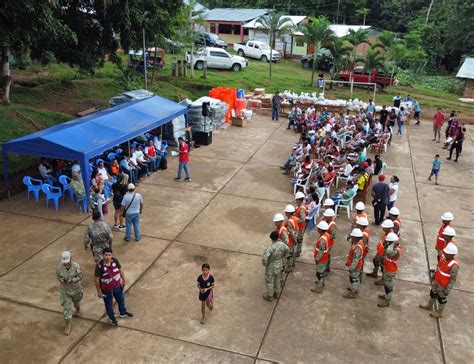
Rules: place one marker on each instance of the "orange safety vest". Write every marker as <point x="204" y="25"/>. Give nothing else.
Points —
<point x="380" y="247"/>
<point x="440" y="242"/>
<point x="325" y="256"/>
<point x="442" y="275"/>
<point x="332" y="225"/>
<point x="359" y="216"/>
<point x="391" y="264"/>
<point x="398" y="223"/>
<point x="280" y="232"/>
<point x="367" y="237"/>
<point x="350" y="256"/>
<point x="294" y="225"/>
<point x="302" y="207"/>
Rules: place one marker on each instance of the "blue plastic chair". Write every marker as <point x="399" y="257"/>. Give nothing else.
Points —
<point x="52" y="193"/>
<point x="119" y="151"/>
<point x="65" y="180"/>
<point x="34" y="185"/>
<point x="83" y="203"/>
<point x="111" y="156"/>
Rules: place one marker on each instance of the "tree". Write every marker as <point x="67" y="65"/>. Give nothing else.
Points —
<point x="274" y="25"/>
<point x="374" y="60"/>
<point x="28" y="25"/>
<point x="355" y="38"/>
<point x="317" y="32"/>
<point x="341" y="52"/>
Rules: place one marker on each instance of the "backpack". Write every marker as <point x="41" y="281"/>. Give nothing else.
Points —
<point x="164" y="164"/>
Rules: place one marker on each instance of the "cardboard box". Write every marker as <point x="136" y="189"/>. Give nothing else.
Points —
<point x="239" y="121"/>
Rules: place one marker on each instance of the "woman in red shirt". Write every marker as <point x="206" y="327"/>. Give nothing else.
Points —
<point x="183" y="160"/>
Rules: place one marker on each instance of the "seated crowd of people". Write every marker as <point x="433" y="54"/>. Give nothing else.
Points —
<point x="334" y="147"/>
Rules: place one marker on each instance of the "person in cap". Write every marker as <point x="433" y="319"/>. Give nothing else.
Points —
<point x="355" y="262"/>
<point x="321" y="256"/>
<point x="380" y="199"/>
<point x="441" y="243"/>
<point x="330" y="217"/>
<point x="387" y="227"/>
<point x="300" y="213"/>
<point x="273" y="260"/>
<point x="443" y="280"/>
<point x="359" y="207"/>
<point x="132" y="207"/>
<point x="393" y="214"/>
<point x="110" y="282"/>
<point x="291" y="225"/>
<point x="390" y="267"/>
<point x="99" y="235"/>
<point x="69" y="275"/>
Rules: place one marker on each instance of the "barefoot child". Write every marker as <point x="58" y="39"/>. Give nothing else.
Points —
<point x="205" y="285"/>
<point x="435" y="168"/>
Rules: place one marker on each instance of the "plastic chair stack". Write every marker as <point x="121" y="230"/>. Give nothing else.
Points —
<point x="33" y="185"/>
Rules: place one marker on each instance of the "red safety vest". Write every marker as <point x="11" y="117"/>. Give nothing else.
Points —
<point x="440" y="242"/>
<point x="109" y="276"/>
<point x="442" y="275"/>
<point x="332" y="225"/>
<point x="350" y="256"/>
<point x="294" y="225"/>
<point x="302" y="207"/>
<point x="280" y="232"/>
<point x="391" y="264"/>
<point x="325" y="256"/>
<point x="380" y="247"/>
<point x="399" y="224"/>
<point x="367" y="237"/>
<point x="359" y="216"/>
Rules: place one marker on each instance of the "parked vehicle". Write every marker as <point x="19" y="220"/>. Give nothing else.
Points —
<point x="325" y="61"/>
<point x="207" y="39"/>
<point x="216" y="58"/>
<point x="379" y="77"/>
<point x="173" y="46"/>
<point x="256" y="49"/>
<point x="135" y="59"/>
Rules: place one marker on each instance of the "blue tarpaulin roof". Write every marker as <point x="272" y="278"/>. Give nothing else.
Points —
<point x="89" y="136"/>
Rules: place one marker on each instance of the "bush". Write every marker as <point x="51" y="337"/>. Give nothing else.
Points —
<point x="440" y="83"/>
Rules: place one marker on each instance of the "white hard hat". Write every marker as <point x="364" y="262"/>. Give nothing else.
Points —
<point x="387" y="224"/>
<point x="323" y="225"/>
<point x="131" y="187"/>
<point x="394" y="211"/>
<point x="65" y="257"/>
<point x="329" y="213"/>
<point x="278" y="217"/>
<point x="357" y="233"/>
<point x="391" y="237"/>
<point x="362" y="221"/>
<point x="360" y="206"/>
<point x="449" y="231"/>
<point x="290" y="208"/>
<point x="451" y="249"/>
<point x="299" y="195"/>
<point x="328" y="202"/>
<point x="447" y="216"/>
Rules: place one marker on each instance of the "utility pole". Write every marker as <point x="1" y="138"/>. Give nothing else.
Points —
<point x="429" y="11"/>
<point x="337" y="14"/>
<point x="144" y="48"/>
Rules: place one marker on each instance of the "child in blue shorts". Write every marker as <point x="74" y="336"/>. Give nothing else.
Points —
<point x="436" y="166"/>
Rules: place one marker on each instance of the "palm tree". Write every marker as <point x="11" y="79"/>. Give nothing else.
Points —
<point x="274" y="25"/>
<point x="355" y="38"/>
<point x="386" y="40"/>
<point x="393" y="50"/>
<point x="317" y="32"/>
<point x="374" y="60"/>
<point x="341" y="52"/>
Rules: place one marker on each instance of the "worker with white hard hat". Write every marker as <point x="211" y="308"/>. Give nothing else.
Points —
<point x="300" y="213"/>
<point x="321" y="256"/>
<point x="355" y="262"/>
<point x="446" y="219"/>
<point x="387" y="227"/>
<point x="362" y="224"/>
<point x="392" y="255"/>
<point x="393" y="214"/>
<point x="359" y="207"/>
<point x="279" y="220"/>
<point x="291" y="225"/>
<point x="330" y="217"/>
<point x="328" y="203"/>
<point x="443" y="280"/>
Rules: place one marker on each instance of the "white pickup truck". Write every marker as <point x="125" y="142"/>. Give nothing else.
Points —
<point x="256" y="49"/>
<point x="216" y="58"/>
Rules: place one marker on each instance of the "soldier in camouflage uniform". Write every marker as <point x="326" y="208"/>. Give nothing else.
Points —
<point x="355" y="262"/>
<point x="70" y="276"/>
<point x="321" y="256"/>
<point x="99" y="235"/>
<point x="392" y="255"/>
<point x="272" y="259"/>
<point x="300" y="213"/>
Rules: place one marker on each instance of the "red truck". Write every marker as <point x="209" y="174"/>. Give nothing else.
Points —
<point x="361" y="75"/>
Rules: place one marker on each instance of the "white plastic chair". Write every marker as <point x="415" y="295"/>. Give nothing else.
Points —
<point x="348" y="207"/>
<point x="341" y="177"/>
<point x="304" y="183"/>
<point x="328" y="185"/>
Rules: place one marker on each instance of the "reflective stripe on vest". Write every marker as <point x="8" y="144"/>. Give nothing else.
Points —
<point x="302" y="225"/>
<point x="442" y="275"/>
<point x="350" y="256"/>
<point x="294" y="226"/>
<point x="380" y="248"/>
<point x="325" y="256"/>
<point x="332" y="225"/>
<point x="440" y="242"/>
<point x="391" y="264"/>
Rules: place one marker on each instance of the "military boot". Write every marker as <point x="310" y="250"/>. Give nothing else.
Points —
<point x="384" y="303"/>
<point x="78" y="311"/>
<point x="379" y="282"/>
<point x="350" y="294"/>
<point x="382" y="296"/>
<point x="428" y="306"/>
<point x="67" y="328"/>
<point x="317" y="289"/>
<point x="437" y="314"/>
<point x="288" y="270"/>
<point x="267" y="298"/>
<point x="373" y="274"/>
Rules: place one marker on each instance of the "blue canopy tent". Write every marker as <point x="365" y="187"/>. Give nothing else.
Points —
<point x="85" y="138"/>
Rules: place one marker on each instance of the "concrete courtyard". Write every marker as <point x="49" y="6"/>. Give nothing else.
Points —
<point x="224" y="217"/>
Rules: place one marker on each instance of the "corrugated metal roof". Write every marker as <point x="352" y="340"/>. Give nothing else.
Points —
<point x="294" y="20"/>
<point x="467" y="69"/>
<point x="237" y="15"/>
<point x="341" y="30"/>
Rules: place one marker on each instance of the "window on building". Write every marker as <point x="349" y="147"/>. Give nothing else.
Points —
<point x="299" y="42"/>
<point x="225" y="28"/>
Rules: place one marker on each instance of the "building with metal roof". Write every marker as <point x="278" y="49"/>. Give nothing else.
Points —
<point x="467" y="71"/>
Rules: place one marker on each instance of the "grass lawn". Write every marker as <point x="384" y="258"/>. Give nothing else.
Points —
<point x="62" y="92"/>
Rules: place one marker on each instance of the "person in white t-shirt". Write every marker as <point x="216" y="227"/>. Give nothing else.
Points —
<point x="393" y="191"/>
<point x="310" y="110"/>
<point x="140" y="159"/>
<point x="104" y="175"/>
